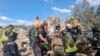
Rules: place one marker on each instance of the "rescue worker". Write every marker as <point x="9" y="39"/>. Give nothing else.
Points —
<point x="76" y="28"/>
<point x="34" y="41"/>
<point x="43" y="39"/>
<point x="58" y="41"/>
<point x="49" y="39"/>
<point x="70" y="47"/>
<point x="10" y="48"/>
<point x="96" y="42"/>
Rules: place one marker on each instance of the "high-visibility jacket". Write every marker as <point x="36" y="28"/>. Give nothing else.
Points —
<point x="70" y="49"/>
<point x="70" y="45"/>
<point x="4" y="37"/>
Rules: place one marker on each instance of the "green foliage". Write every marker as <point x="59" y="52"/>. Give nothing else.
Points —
<point x="98" y="11"/>
<point x="85" y="13"/>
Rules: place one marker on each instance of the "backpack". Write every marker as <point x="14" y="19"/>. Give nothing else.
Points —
<point x="31" y="34"/>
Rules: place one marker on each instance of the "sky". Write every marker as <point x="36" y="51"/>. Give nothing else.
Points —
<point x="25" y="11"/>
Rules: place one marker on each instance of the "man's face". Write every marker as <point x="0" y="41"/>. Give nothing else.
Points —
<point x="11" y="28"/>
<point x="59" y="28"/>
<point x="45" y="27"/>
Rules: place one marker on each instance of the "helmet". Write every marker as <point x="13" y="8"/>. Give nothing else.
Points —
<point x="11" y="26"/>
<point x="72" y="18"/>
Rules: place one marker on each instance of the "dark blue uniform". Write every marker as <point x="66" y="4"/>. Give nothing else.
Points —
<point x="10" y="47"/>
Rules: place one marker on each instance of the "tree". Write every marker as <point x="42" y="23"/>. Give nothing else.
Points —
<point x="98" y="11"/>
<point x="97" y="18"/>
<point x="79" y="9"/>
<point x="84" y="12"/>
<point x="89" y="18"/>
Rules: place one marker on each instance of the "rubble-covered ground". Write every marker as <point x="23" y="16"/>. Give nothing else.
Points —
<point x="23" y="41"/>
<point x="23" y="44"/>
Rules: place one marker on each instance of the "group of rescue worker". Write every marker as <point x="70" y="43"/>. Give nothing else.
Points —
<point x="41" y="42"/>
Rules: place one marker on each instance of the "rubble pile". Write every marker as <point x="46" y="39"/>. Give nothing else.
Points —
<point x="23" y="43"/>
